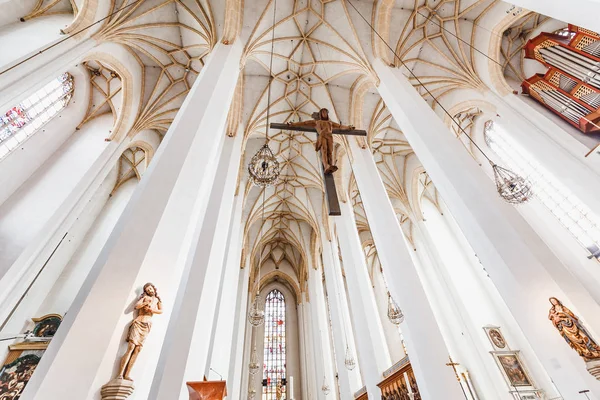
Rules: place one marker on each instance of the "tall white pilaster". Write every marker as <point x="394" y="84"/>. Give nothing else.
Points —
<point x="223" y="340"/>
<point x="424" y="341"/>
<point x="172" y="195"/>
<point x="323" y="364"/>
<point x="578" y="12"/>
<point x="340" y="336"/>
<point x="236" y="365"/>
<point x="184" y="353"/>
<point x="521" y="266"/>
<point x="373" y="353"/>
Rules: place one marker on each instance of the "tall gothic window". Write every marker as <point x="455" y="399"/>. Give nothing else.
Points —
<point x="575" y="216"/>
<point x="274" y="366"/>
<point x="24" y="119"/>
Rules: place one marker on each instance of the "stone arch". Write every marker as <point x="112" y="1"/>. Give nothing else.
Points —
<point x="119" y="60"/>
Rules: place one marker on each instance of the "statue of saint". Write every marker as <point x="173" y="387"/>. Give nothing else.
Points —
<point x="573" y="331"/>
<point x="324" y="128"/>
<point x="148" y="305"/>
<point x="279" y="390"/>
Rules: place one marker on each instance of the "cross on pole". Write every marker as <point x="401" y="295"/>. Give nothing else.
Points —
<point x="454" y="365"/>
<point x="324" y="130"/>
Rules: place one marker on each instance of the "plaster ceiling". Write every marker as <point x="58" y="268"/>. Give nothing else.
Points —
<point x="323" y="51"/>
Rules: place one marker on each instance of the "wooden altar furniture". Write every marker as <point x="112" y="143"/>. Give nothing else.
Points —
<point x="207" y="390"/>
<point x="399" y="382"/>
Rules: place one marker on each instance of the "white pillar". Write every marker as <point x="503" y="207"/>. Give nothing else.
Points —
<point x="373" y="353"/>
<point x="222" y="342"/>
<point x="521" y="266"/>
<point x="185" y="351"/>
<point x="578" y="12"/>
<point x="320" y="328"/>
<point x="426" y="347"/>
<point x="311" y="378"/>
<point x="236" y="366"/>
<point x="171" y="196"/>
<point x="340" y="336"/>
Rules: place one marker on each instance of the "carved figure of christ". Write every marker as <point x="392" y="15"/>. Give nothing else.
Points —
<point x="325" y="129"/>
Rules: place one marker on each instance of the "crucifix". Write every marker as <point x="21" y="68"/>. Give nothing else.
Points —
<point x="325" y="129"/>
<point x="454" y="365"/>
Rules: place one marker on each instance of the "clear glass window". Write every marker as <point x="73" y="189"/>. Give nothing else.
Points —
<point x="24" y="119"/>
<point x="575" y="216"/>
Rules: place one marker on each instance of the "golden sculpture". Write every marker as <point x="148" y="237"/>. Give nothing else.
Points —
<point x="279" y="391"/>
<point x="324" y="127"/>
<point x="148" y="305"/>
<point x="573" y="331"/>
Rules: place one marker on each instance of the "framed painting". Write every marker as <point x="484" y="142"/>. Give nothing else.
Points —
<point x="512" y="369"/>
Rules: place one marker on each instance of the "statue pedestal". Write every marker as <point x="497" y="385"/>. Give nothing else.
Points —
<point x="593" y="368"/>
<point x="117" y="389"/>
<point x="213" y="390"/>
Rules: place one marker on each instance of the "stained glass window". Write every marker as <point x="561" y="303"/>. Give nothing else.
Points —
<point x="26" y="118"/>
<point x="274" y="366"/>
<point x="575" y="216"/>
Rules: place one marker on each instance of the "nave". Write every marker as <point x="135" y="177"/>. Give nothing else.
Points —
<point x="299" y="200"/>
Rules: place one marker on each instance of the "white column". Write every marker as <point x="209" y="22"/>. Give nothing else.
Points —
<point x="171" y="196"/>
<point x="185" y="351"/>
<point x="222" y="342"/>
<point x="578" y="12"/>
<point x="521" y="266"/>
<point x="340" y="337"/>
<point x="311" y="378"/>
<point x="236" y="366"/>
<point x="320" y="327"/>
<point x="373" y="353"/>
<point x="426" y="347"/>
<point x="302" y="380"/>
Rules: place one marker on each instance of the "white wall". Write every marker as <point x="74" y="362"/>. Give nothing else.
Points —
<point x="22" y="162"/>
<point x="70" y="281"/>
<point x="12" y="10"/>
<point x="26" y="212"/>
<point x="25" y="38"/>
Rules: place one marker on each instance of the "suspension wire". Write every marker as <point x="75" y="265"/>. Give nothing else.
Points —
<point x="271" y="72"/>
<point x="267" y="140"/>
<point x="435" y="100"/>
<point x="69" y="37"/>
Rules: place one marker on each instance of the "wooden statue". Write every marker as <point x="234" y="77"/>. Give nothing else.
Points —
<point x="279" y="391"/>
<point x="148" y="305"/>
<point x="573" y="331"/>
<point x="324" y="128"/>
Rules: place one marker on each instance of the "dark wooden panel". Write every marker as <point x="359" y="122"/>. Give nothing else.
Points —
<point x="332" y="197"/>
<point x="355" y="132"/>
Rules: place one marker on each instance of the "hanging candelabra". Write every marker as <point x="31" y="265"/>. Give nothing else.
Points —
<point x="254" y="366"/>
<point x="511" y="187"/>
<point x="263" y="167"/>
<point x="394" y="313"/>
<point x="350" y="362"/>
<point x="256" y="315"/>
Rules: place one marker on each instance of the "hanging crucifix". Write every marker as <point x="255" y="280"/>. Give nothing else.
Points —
<point x="325" y="129"/>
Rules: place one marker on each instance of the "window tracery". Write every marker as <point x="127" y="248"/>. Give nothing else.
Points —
<point x="575" y="216"/>
<point x="23" y="120"/>
<point x="274" y="366"/>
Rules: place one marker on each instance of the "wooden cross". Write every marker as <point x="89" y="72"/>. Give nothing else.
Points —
<point x="330" y="189"/>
